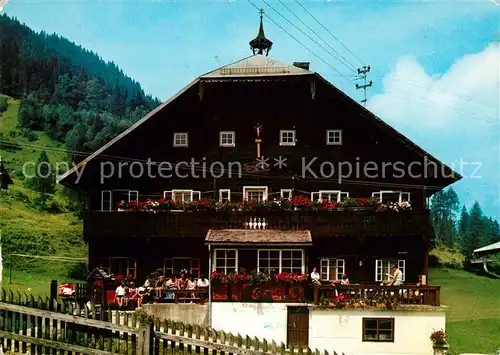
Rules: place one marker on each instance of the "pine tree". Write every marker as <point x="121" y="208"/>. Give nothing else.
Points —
<point x="44" y="181"/>
<point x="476" y="230"/>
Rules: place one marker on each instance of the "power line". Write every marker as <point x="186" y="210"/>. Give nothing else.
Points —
<point x="299" y="42"/>
<point x="327" y="30"/>
<point x="345" y="62"/>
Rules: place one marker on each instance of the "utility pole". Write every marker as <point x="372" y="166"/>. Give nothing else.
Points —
<point x="217" y="59"/>
<point x="363" y="73"/>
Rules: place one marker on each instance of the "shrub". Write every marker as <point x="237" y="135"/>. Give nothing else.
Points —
<point x="448" y="257"/>
<point x="3" y="104"/>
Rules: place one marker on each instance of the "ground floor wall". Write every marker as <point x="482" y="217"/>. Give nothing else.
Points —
<point x="188" y="313"/>
<point x="332" y="329"/>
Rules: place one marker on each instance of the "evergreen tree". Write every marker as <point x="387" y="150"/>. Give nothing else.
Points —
<point x="477" y="230"/>
<point x="463" y="226"/>
<point x="44" y="181"/>
<point x="444" y="210"/>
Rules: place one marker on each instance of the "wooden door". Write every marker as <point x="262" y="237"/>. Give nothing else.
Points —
<point x="298" y="326"/>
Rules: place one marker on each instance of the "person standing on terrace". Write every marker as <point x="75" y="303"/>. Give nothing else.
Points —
<point x="315" y="277"/>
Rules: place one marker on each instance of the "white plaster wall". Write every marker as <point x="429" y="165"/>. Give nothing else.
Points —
<point x="341" y="330"/>
<point x="331" y="329"/>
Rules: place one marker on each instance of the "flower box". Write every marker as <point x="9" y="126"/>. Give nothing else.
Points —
<point x="220" y="292"/>
<point x="277" y="292"/>
<point x="261" y="293"/>
<point x="237" y="291"/>
<point x="296" y="293"/>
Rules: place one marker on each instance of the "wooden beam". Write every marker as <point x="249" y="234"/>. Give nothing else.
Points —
<point x="67" y="318"/>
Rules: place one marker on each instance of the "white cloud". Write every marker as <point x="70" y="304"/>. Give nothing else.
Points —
<point x="465" y="96"/>
<point x="454" y="116"/>
<point x="2" y="4"/>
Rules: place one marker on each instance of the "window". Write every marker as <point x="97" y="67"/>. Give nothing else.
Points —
<point x="225" y="260"/>
<point x="329" y="195"/>
<point x="133" y="195"/>
<point x="280" y="260"/>
<point x="287" y="137"/>
<point x="334" y="137"/>
<point x="227" y="139"/>
<point x="172" y="266"/>
<point x="391" y="196"/>
<point x="383" y="269"/>
<point x="106" y="200"/>
<point x="119" y="266"/>
<point x="378" y="329"/>
<point x="286" y="193"/>
<point x="331" y="269"/>
<point x="180" y="139"/>
<point x="224" y="195"/>
<point x="182" y="195"/>
<point x="255" y="193"/>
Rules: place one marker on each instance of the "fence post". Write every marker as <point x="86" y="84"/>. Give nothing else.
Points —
<point x="53" y="294"/>
<point x="145" y="339"/>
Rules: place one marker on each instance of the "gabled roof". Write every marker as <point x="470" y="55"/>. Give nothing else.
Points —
<point x="255" y="66"/>
<point x="260" y="67"/>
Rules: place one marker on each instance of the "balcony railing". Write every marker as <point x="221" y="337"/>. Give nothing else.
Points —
<point x="370" y="295"/>
<point x="197" y="223"/>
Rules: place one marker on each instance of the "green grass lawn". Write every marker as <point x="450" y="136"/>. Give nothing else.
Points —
<point x="25" y="228"/>
<point x="473" y="316"/>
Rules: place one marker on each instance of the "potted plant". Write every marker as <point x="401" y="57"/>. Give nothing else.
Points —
<point x="439" y="340"/>
<point x="296" y="286"/>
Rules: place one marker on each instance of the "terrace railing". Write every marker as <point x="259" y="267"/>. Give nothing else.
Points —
<point x="376" y="295"/>
<point x="196" y="224"/>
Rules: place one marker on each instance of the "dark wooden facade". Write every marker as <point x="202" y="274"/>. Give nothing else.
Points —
<point x="304" y="103"/>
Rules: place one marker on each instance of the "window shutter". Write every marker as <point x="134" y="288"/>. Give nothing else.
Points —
<point x="133" y="195"/>
<point x="340" y="268"/>
<point x="167" y="195"/>
<point x="106" y="200"/>
<point x="196" y="195"/>
<point x="401" y="266"/>
<point x="378" y="271"/>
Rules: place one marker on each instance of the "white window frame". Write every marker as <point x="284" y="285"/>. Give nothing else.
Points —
<point x="339" y="268"/>
<point x="286" y="132"/>
<point x="303" y="266"/>
<point x="230" y="134"/>
<point x="110" y="200"/>
<point x="221" y="195"/>
<point x="214" y="260"/>
<point x="328" y="141"/>
<point x="380" y="195"/>
<point x="286" y="193"/>
<point x="131" y="268"/>
<point x="165" y="193"/>
<point x="134" y="193"/>
<point x="379" y="264"/>
<point x="182" y="136"/>
<point x="248" y="188"/>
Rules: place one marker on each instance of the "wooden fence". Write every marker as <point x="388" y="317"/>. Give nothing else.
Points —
<point x="27" y="325"/>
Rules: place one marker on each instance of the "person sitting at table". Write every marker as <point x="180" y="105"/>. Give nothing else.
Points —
<point x="141" y="293"/>
<point x="159" y="286"/>
<point x="396" y="278"/>
<point x="173" y="282"/>
<point x="202" y="282"/>
<point x="183" y="282"/>
<point x="191" y="285"/>
<point x="120" y="294"/>
<point x="132" y="292"/>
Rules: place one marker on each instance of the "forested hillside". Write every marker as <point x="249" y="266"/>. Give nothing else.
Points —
<point x="67" y="91"/>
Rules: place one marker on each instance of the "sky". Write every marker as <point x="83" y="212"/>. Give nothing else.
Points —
<point x="435" y="65"/>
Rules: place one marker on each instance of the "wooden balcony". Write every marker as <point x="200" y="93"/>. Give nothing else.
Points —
<point x="371" y="295"/>
<point x="196" y="224"/>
